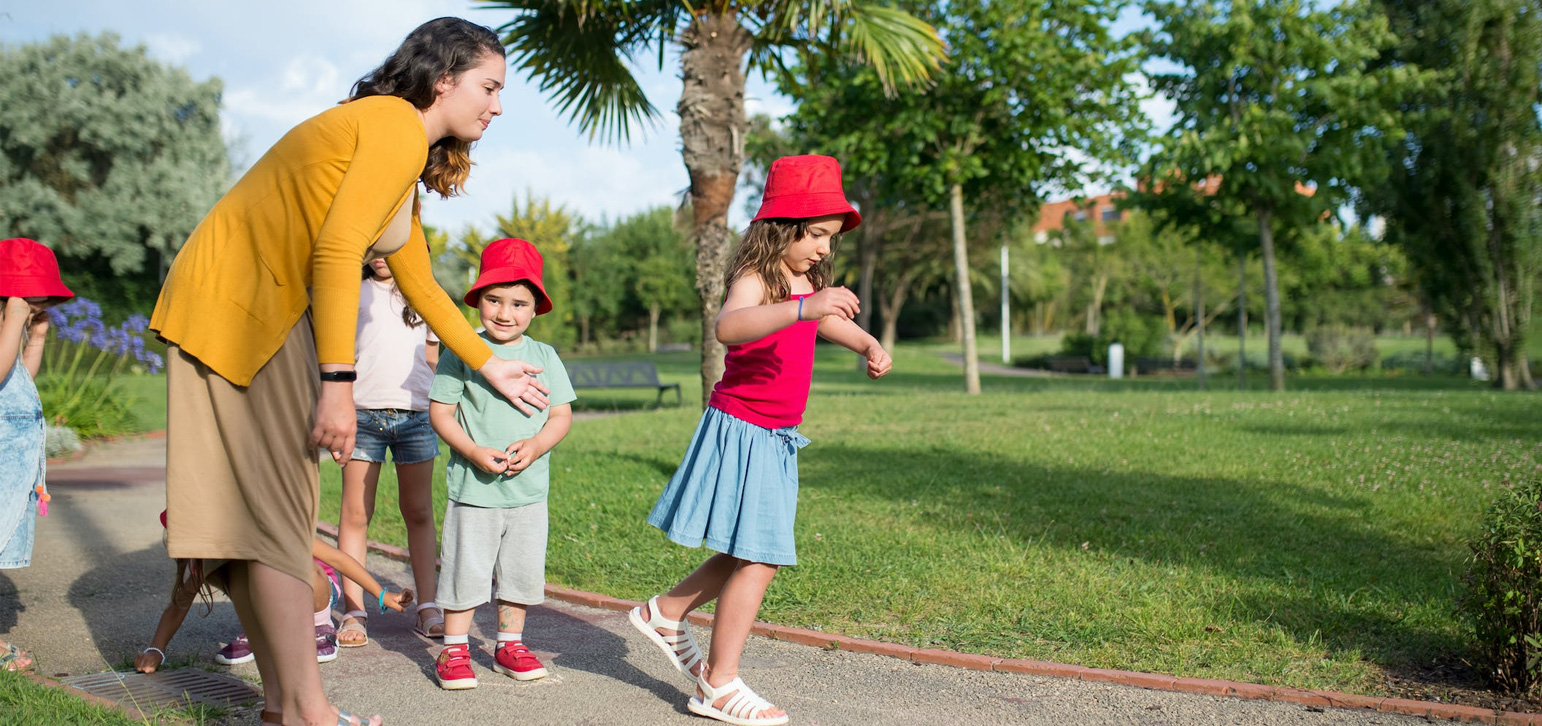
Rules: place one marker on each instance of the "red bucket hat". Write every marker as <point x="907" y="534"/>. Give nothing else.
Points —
<point x="28" y="269"/>
<point x="510" y="260"/>
<point x="801" y="187"/>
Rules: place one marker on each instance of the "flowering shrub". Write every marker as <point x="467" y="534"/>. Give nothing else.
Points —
<point x="83" y="363"/>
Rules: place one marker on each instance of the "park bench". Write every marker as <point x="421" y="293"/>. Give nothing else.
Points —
<point x="1070" y="364"/>
<point x="619" y="374"/>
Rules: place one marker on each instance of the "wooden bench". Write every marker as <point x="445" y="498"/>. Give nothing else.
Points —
<point x="619" y="374"/>
<point x="1070" y="364"/>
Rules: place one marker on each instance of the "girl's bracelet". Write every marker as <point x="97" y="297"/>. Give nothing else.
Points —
<point x="381" y="604"/>
<point x="158" y="650"/>
<point x="800" y="309"/>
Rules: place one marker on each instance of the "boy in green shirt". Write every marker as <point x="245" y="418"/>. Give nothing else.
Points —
<point x="495" y="522"/>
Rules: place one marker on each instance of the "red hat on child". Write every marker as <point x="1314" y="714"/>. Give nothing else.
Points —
<point x="507" y="261"/>
<point x="801" y="187"/>
<point x="28" y="269"/>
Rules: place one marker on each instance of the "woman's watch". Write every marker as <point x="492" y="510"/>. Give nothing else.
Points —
<point x="339" y="376"/>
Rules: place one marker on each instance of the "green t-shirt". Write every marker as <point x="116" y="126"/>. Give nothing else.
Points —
<point x="490" y="420"/>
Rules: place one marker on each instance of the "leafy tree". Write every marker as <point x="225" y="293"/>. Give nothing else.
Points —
<point x="579" y="51"/>
<point x="1461" y="197"/>
<point x="108" y="157"/>
<point x="660" y="273"/>
<point x="1024" y="83"/>
<point x="599" y="283"/>
<point x="1271" y="95"/>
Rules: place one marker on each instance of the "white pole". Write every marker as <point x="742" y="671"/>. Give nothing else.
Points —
<point x="1006" y="317"/>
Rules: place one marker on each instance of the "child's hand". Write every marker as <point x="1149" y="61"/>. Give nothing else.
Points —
<point x="878" y="361"/>
<point x="398" y="601"/>
<point x="522" y="454"/>
<point x="37" y="327"/>
<point x="490" y="460"/>
<point x="837" y="301"/>
<point x="148" y="661"/>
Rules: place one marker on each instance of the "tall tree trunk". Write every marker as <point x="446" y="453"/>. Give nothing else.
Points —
<point x="583" y="330"/>
<point x="1095" y="308"/>
<point x="1242" y="321"/>
<point x="1429" y="340"/>
<point x="1199" y="315"/>
<point x="712" y="129"/>
<point x="1271" y="300"/>
<point x="891" y="309"/>
<point x="653" y="328"/>
<point x="868" y="242"/>
<point x="962" y="289"/>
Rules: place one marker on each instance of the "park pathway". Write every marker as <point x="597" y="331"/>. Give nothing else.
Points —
<point x="99" y="579"/>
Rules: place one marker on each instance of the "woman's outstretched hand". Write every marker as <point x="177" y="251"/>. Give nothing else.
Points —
<point x="516" y="381"/>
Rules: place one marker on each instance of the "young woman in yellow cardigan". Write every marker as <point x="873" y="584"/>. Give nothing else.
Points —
<point x="260" y="308"/>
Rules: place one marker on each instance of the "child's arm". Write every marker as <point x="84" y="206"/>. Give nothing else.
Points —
<point x="852" y="337"/>
<point x="524" y="452"/>
<point x="37" y="333"/>
<point x="442" y="417"/>
<point x="171" y="620"/>
<point x="350" y="568"/>
<point x="743" y="318"/>
<point x="12" y="323"/>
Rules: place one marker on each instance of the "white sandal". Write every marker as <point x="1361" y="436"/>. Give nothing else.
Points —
<point x="681" y="648"/>
<point x="741" y="707"/>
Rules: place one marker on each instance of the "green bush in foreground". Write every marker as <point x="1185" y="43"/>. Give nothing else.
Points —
<point x="1504" y="589"/>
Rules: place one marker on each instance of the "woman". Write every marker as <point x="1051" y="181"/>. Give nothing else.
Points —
<point x="265" y="292"/>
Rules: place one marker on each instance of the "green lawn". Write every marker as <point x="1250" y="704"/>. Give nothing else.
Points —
<point x="25" y="702"/>
<point x="1302" y="539"/>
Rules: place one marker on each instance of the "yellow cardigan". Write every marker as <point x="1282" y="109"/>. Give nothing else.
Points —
<point x="305" y="216"/>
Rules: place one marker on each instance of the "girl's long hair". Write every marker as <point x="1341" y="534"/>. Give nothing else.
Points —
<point x="410" y="317"/>
<point x="760" y="253"/>
<point x="438" y="49"/>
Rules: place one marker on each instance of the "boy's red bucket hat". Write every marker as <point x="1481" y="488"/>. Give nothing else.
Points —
<point x="802" y="187"/>
<point x="28" y="269"/>
<point x="506" y="261"/>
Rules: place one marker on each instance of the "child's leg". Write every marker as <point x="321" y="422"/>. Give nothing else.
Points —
<point x="457" y="625"/>
<point x="697" y="589"/>
<point x="416" y="497"/>
<point x="511" y="620"/>
<point x="736" y="610"/>
<point x="358" y="509"/>
<point x="321" y="594"/>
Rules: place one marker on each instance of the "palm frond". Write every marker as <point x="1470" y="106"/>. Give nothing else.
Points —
<point x="579" y="52"/>
<point x="902" y="49"/>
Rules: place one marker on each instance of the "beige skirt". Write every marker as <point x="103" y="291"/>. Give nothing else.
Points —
<point x="241" y="477"/>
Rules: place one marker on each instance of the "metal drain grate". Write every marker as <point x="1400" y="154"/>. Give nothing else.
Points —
<point x="173" y="688"/>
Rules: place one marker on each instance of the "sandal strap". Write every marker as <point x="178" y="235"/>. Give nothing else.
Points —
<point x="743" y="703"/>
<point x="356" y="615"/>
<point x="656" y="619"/>
<point x="272" y="717"/>
<point x="682" y="642"/>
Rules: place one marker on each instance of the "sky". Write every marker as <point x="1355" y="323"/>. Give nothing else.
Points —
<point x="283" y="61"/>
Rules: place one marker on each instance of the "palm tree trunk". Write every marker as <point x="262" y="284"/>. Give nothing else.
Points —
<point x="1271" y="300"/>
<point x="712" y="129"/>
<point x="964" y="295"/>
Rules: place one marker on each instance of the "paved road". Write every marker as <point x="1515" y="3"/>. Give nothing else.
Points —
<point x="100" y="578"/>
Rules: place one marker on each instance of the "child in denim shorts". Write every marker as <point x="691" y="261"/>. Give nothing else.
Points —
<point x="495" y="522"/>
<point x="396" y="358"/>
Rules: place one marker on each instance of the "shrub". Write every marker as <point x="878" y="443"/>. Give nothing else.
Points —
<point x="1503" y="598"/>
<point x="81" y="367"/>
<point x="1413" y="361"/>
<point x="1338" y="348"/>
<point x="1143" y="336"/>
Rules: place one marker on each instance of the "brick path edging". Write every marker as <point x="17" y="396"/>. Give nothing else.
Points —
<point x="1154" y="681"/>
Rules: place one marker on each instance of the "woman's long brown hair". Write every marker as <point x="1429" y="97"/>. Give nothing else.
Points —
<point x="438" y="49"/>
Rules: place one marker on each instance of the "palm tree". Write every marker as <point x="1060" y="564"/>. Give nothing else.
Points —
<point x="580" y="51"/>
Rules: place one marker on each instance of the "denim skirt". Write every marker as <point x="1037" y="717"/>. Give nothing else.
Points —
<point x="736" y="491"/>
<point x="21" y="465"/>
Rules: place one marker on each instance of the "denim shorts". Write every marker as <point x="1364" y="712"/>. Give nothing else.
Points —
<point x="406" y="433"/>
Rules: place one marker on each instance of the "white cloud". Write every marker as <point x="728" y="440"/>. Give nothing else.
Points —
<point x="172" y="48"/>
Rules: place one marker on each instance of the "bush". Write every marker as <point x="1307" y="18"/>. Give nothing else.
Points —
<point x="1143" y="336"/>
<point x="1413" y="361"/>
<point x="1503" y="599"/>
<point x="1338" y="348"/>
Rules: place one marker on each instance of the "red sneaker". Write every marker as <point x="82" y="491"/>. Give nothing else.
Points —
<point x="454" y="668"/>
<point x="515" y="660"/>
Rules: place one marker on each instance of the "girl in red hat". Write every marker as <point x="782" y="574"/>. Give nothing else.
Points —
<point x="737" y="488"/>
<point x="29" y="285"/>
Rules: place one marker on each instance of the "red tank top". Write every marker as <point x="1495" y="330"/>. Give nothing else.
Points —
<point x="766" y="381"/>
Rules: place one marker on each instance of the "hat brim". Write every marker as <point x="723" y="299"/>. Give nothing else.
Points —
<point x="508" y="276"/>
<point x="33" y="286"/>
<point x="808" y="206"/>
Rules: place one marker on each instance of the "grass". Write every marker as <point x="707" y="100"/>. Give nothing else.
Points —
<point x="23" y="702"/>
<point x="1309" y="539"/>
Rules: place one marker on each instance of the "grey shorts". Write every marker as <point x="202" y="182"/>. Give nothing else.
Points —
<point x="482" y="546"/>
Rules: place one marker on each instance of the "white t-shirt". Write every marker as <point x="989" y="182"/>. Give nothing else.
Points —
<point x="393" y="371"/>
